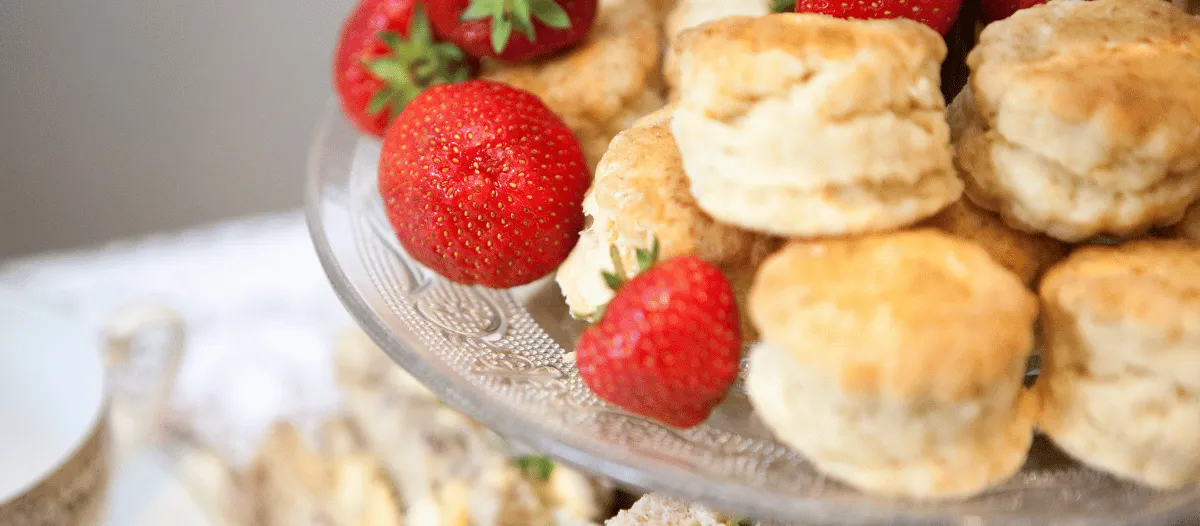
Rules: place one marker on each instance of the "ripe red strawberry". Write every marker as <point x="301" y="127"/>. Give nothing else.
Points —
<point x="386" y="55"/>
<point x="483" y="183"/>
<point x="938" y="14"/>
<point x="668" y="344"/>
<point x="994" y="10"/>
<point x="512" y="30"/>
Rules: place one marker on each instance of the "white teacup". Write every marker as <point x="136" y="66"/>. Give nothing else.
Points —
<point x="55" y="452"/>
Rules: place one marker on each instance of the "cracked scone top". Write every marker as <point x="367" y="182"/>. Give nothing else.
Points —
<point x="809" y="125"/>
<point x="895" y="361"/>
<point x="601" y="86"/>
<point x="1120" y="381"/>
<point x="641" y="193"/>
<point x="1085" y="118"/>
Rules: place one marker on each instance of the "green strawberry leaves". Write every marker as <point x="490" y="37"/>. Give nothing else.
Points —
<point x="413" y="64"/>
<point x="519" y="15"/>
<point x="536" y="466"/>
<point x="551" y="14"/>
<point x="783" y="6"/>
<point x="618" y="277"/>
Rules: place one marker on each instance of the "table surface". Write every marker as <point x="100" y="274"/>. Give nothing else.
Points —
<point x="260" y="315"/>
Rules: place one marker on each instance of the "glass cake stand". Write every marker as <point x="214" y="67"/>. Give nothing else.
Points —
<point x="504" y="358"/>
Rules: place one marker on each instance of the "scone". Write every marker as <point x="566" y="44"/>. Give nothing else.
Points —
<point x="663" y="8"/>
<point x="894" y="362"/>
<point x="640" y="194"/>
<point x="1026" y="255"/>
<point x="1189" y="227"/>
<point x="1120" y="380"/>
<point x="691" y="13"/>
<point x="600" y="87"/>
<point x="661" y="115"/>
<point x="1085" y="118"/>
<point x="806" y="125"/>
<point x="660" y="510"/>
<point x="447" y="468"/>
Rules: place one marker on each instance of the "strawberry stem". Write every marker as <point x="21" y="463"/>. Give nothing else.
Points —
<point x="645" y="260"/>
<point x="413" y="64"/>
<point x="617" y="277"/>
<point x="520" y="15"/>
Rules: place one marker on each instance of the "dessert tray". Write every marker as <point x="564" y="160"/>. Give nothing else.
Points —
<point x="504" y="357"/>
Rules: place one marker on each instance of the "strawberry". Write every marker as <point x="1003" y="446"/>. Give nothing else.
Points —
<point x="483" y="183"/>
<point x="669" y="342"/>
<point x="385" y="56"/>
<point x="512" y="30"/>
<point x="938" y="14"/>
<point x="994" y="10"/>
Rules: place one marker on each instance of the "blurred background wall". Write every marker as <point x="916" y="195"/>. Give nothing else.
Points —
<point x="123" y="117"/>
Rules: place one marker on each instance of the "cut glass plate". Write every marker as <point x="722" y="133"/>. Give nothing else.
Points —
<point x="504" y="358"/>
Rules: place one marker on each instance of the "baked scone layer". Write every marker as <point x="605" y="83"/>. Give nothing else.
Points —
<point x="919" y="448"/>
<point x="1120" y="382"/>
<point x="806" y="110"/>
<point x="1085" y="119"/>
<point x="895" y="361"/>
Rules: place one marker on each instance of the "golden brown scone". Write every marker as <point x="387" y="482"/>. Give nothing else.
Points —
<point x="663" y="8"/>
<point x="1120" y="380"/>
<point x="640" y="193"/>
<point x="895" y="362"/>
<point x="691" y="13"/>
<point x="1189" y="227"/>
<point x="601" y="86"/>
<point x="1085" y="119"/>
<point x="661" y="115"/>
<point x="807" y="125"/>
<point x="1026" y="255"/>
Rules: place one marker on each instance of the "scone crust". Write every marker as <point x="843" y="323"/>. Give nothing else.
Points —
<point x="907" y="447"/>
<point x="1086" y="120"/>
<point x="1120" y="382"/>
<point x="641" y="193"/>
<point x="829" y="211"/>
<point x="1189" y="226"/>
<point x="1096" y="85"/>
<point x="660" y="116"/>
<point x="1041" y="196"/>
<point x="732" y="58"/>
<point x="910" y="314"/>
<point x="1024" y="254"/>
<point x="787" y="114"/>
<point x="691" y="13"/>
<point x="605" y="83"/>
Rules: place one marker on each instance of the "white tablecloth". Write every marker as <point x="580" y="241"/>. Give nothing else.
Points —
<point x="261" y="318"/>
